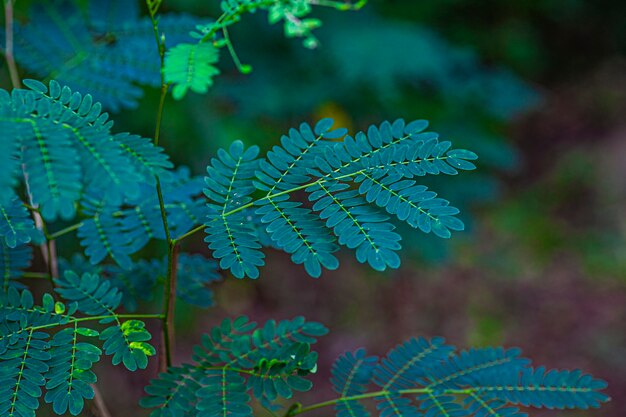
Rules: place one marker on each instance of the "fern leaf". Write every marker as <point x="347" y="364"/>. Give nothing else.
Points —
<point x="30" y="359"/>
<point x="380" y="163"/>
<point x="147" y="159"/>
<point x="473" y="364"/>
<point x="224" y="393"/>
<point x="538" y="387"/>
<point x="13" y="261"/>
<point x="52" y="166"/>
<point x="292" y="227"/>
<point x="351" y="373"/>
<point x="174" y="392"/>
<point x="190" y="67"/>
<point x="229" y="185"/>
<point x="103" y="236"/>
<point x="356" y="225"/>
<point x="16" y="225"/>
<point x="406" y="363"/>
<point x="125" y="341"/>
<point x="24" y="351"/>
<point x="69" y="150"/>
<point x="70" y="374"/>
<point x="22" y="368"/>
<point x="441" y="405"/>
<point x="237" y="359"/>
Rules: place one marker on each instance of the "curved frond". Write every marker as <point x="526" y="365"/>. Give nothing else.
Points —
<point x="349" y="181"/>
<point x="424" y="377"/>
<point x="539" y="387"/>
<point x="229" y="234"/>
<point x="351" y="374"/>
<point x="237" y="361"/>
<point x="69" y="150"/>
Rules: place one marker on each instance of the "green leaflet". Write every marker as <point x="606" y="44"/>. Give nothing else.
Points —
<point x="348" y="182"/>
<point x="190" y="67"/>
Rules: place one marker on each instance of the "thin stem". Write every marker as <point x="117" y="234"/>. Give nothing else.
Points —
<point x="95" y="318"/>
<point x="8" y="44"/>
<point x="169" y="299"/>
<point x="64" y="231"/>
<point x="36" y="275"/>
<point x="157" y="130"/>
<point x="244" y="69"/>
<point x="297" y="409"/>
<point x="169" y="287"/>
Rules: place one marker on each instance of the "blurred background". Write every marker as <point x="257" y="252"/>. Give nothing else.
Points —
<point x="536" y="88"/>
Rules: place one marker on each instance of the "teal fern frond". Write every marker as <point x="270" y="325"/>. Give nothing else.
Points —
<point x="106" y="52"/>
<point x="420" y="377"/>
<point x="347" y="181"/>
<point x="229" y="185"/>
<point x="351" y="374"/>
<point x="69" y="149"/>
<point x="51" y="347"/>
<point x="235" y="361"/>
<point x="13" y="262"/>
<point x="16" y="225"/>
<point x="426" y="377"/>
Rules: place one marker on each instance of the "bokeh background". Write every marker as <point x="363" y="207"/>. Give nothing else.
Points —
<point x="536" y="88"/>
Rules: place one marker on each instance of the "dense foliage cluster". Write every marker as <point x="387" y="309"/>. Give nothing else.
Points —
<point x="320" y="189"/>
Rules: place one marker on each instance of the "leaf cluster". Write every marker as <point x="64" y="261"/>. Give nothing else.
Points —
<point x="54" y="346"/>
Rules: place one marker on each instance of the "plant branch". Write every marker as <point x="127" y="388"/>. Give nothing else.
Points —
<point x="169" y="287"/>
<point x="8" y="44"/>
<point x="169" y="299"/>
<point x="298" y="409"/>
<point x="65" y="231"/>
<point x="98" y="402"/>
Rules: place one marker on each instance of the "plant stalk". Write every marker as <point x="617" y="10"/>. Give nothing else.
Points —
<point x="8" y="44"/>
<point x="169" y="287"/>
